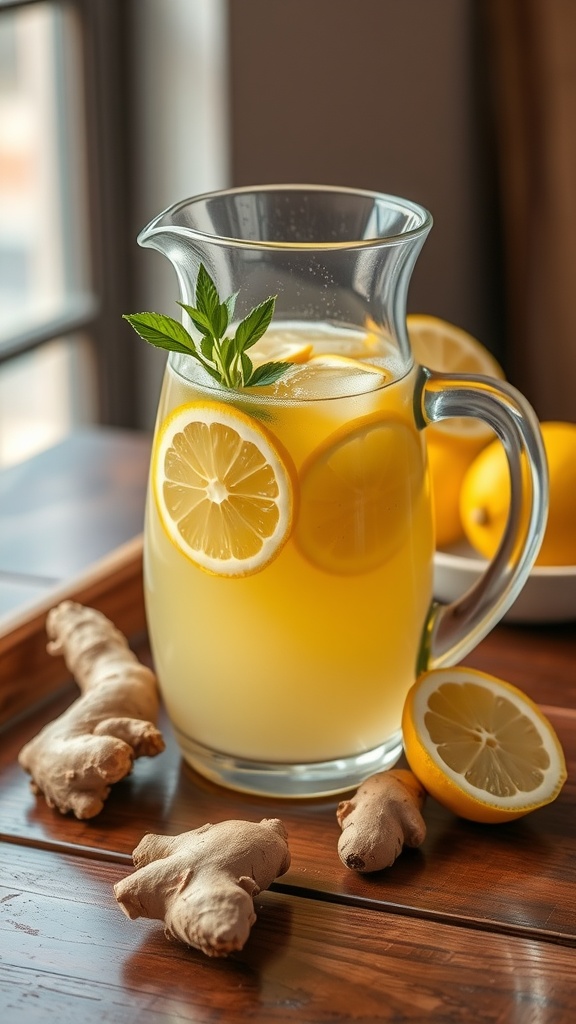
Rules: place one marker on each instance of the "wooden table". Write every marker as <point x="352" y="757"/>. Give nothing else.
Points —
<point x="479" y="925"/>
<point x="67" y="507"/>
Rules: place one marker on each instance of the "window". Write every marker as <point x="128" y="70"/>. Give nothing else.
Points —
<point x="63" y="168"/>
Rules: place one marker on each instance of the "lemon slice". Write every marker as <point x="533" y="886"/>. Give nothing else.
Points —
<point x="296" y="345"/>
<point x="281" y="349"/>
<point x="330" y="376"/>
<point x="443" y="347"/>
<point x="449" y="349"/>
<point x="356" y="495"/>
<point x="360" y="346"/>
<point x="223" y="490"/>
<point x="339" y="361"/>
<point x="480" y="746"/>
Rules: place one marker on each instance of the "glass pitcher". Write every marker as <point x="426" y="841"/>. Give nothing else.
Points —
<point x="288" y="555"/>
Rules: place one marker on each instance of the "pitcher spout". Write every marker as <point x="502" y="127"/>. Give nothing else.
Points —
<point x="283" y="240"/>
<point x="172" y="234"/>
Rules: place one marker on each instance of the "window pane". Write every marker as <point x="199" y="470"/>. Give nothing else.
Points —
<point x="43" y="228"/>
<point x="43" y="395"/>
<point x="43" y="259"/>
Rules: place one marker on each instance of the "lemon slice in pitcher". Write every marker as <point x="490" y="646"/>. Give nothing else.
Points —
<point x="357" y="492"/>
<point x="480" y="746"/>
<point x="280" y="347"/>
<point x="223" y="490"/>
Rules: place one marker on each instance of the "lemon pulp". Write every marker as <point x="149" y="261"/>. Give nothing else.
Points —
<point x="357" y="493"/>
<point x="481" y="746"/>
<point x="223" y="491"/>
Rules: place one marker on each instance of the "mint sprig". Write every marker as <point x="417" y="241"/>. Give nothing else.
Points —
<point x="224" y="358"/>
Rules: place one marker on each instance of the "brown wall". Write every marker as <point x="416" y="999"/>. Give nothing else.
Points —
<point x="381" y="94"/>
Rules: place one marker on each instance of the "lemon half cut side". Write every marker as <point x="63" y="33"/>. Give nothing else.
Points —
<point x="446" y="348"/>
<point x="449" y="349"/>
<point x="452" y="443"/>
<point x="480" y="746"/>
<point x="222" y="487"/>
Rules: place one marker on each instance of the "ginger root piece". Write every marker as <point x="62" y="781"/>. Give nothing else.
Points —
<point x="201" y="884"/>
<point x="382" y="817"/>
<point x="75" y="759"/>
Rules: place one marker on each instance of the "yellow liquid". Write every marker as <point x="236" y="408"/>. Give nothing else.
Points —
<point x="295" y="663"/>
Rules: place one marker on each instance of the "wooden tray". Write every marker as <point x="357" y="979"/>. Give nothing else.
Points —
<point x="478" y="925"/>
<point x="27" y="674"/>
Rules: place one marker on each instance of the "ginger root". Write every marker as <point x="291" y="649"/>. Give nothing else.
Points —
<point x="382" y="817"/>
<point x="201" y="884"/>
<point x="75" y="759"/>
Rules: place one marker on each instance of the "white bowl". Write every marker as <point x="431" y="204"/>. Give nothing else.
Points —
<point x="549" y="594"/>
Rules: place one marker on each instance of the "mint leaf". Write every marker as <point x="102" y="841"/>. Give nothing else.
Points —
<point x="246" y="364"/>
<point x="207" y="347"/>
<point x="255" y="324"/>
<point x="207" y="299"/>
<point x="227" y="353"/>
<point x="200" y="320"/>
<point x="230" y="304"/>
<point x="224" y="358"/>
<point x="220" y="320"/>
<point x="267" y="373"/>
<point x="161" y="331"/>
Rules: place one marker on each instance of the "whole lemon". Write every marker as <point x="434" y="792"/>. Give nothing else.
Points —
<point x="453" y="443"/>
<point x="449" y="456"/>
<point x="485" y="497"/>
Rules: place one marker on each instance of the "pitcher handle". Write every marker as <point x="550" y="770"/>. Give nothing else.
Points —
<point x="452" y="630"/>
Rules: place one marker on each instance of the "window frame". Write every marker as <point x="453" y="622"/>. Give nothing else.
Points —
<point x="106" y="72"/>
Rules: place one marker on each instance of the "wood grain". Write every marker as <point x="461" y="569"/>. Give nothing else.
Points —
<point x="27" y="673"/>
<point x="519" y="877"/>
<point x="541" y="660"/>
<point x="70" y="505"/>
<point x="478" y="926"/>
<point x="74" y="956"/>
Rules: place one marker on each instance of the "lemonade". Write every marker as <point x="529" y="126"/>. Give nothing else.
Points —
<point x="308" y="658"/>
<point x="288" y="555"/>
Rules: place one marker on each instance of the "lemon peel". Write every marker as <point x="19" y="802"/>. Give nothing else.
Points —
<point x="357" y="491"/>
<point x="480" y="746"/>
<point x="485" y="497"/>
<point x="224" y="490"/>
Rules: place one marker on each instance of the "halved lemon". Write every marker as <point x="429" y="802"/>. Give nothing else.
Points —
<point x="449" y="349"/>
<point x="223" y="489"/>
<point x="357" y="491"/>
<point x="452" y="444"/>
<point x="480" y="746"/>
<point x="446" y="348"/>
